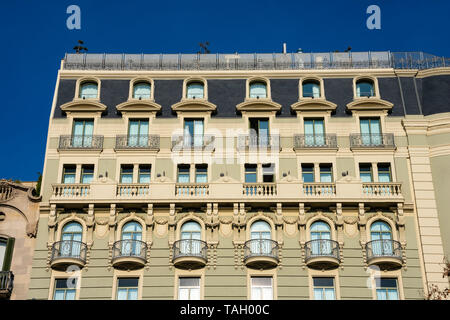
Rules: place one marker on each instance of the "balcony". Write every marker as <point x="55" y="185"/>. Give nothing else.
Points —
<point x="261" y="253"/>
<point x="310" y="141"/>
<point x="322" y="254"/>
<point x="191" y="189"/>
<point x="68" y="252"/>
<point x="259" y="189"/>
<point x="194" y="143"/>
<point x="6" y="192"/>
<point x="382" y="189"/>
<point x="249" y="142"/>
<point x="6" y="284"/>
<point x="138" y="142"/>
<point x="190" y="254"/>
<point x="386" y="253"/>
<point x="80" y="142"/>
<point x="372" y="141"/>
<point x="66" y="191"/>
<point x="319" y="189"/>
<point x="129" y="254"/>
<point x="133" y="190"/>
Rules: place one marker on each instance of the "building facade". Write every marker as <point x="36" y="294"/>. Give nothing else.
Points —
<point x="19" y="216"/>
<point x="252" y="176"/>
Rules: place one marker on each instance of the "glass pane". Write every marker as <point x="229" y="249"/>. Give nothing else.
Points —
<point x="262" y="281"/>
<point x="70" y="294"/>
<point x="122" y="294"/>
<point x="141" y="91"/>
<point x="329" y="294"/>
<point x="128" y="282"/>
<point x="183" y="294"/>
<point x="323" y="282"/>
<point x="258" y="90"/>
<point x="133" y="294"/>
<point x="381" y="294"/>
<point x="195" y="294"/>
<point x="2" y="252"/>
<point x="195" y="90"/>
<point x="59" y="295"/>
<point x="267" y="293"/>
<point x="189" y="282"/>
<point x="88" y="90"/>
<point x="392" y="294"/>
<point x="318" y="294"/>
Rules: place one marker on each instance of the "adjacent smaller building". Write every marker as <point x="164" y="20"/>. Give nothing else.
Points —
<point x="19" y="216"/>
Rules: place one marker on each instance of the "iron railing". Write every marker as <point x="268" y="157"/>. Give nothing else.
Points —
<point x="385" y="140"/>
<point x="383" y="248"/>
<point x="6" y="283"/>
<point x="260" y="248"/>
<point x="127" y="142"/>
<point x="200" y="141"/>
<point x="315" y="141"/>
<point x="190" y="248"/>
<point x="321" y="248"/>
<point x="254" y="61"/>
<point x="69" y="249"/>
<point x="129" y="248"/>
<point x="250" y="141"/>
<point x="68" y="142"/>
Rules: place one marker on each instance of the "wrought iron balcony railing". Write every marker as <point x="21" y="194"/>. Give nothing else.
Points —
<point x="385" y="140"/>
<point x="130" y="142"/>
<point x="384" y="248"/>
<point x="190" y="248"/>
<point x="75" y="142"/>
<point x="69" y="249"/>
<point x="129" y="249"/>
<point x="6" y="283"/>
<point x="256" y="142"/>
<point x="204" y="142"/>
<point x="322" y="248"/>
<point x="302" y="141"/>
<point x="261" y="248"/>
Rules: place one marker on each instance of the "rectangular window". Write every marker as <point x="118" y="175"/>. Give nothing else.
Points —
<point x="384" y="172"/>
<point x="144" y="173"/>
<point x="326" y="174"/>
<point x="127" y="288"/>
<point x="82" y="133"/>
<point x="365" y="172"/>
<point x="314" y="132"/>
<point x="324" y="288"/>
<point x="189" y="289"/>
<point x="87" y="173"/>
<point x="193" y="132"/>
<point x="6" y="253"/>
<point x="308" y="172"/>
<point x="201" y="173"/>
<point x="370" y="131"/>
<point x="183" y="173"/>
<point x="261" y="288"/>
<point x="65" y="289"/>
<point x="126" y="173"/>
<point x="259" y="132"/>
<point x="250" y="173"/>
<point x="387" y="288"/>
<point x="268" y="172"/>
<point x="2" y="253"/>
<point x="69" y="171"/>
<point x="138" y="133"/>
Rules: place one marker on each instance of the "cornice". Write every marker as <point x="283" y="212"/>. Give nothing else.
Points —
<point x="369" y="104"/>
<point x="194" y="105"/>
<point x="138" y="106"/>
<point x="258" y="105"/>
<point x="314" y="105"/>
<point x="83" y="106"/>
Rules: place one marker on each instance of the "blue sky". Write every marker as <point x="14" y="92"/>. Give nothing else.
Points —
<point x="34" y="39"/>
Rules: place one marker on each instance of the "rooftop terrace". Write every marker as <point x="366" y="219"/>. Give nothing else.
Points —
<point x="254" y="61"/>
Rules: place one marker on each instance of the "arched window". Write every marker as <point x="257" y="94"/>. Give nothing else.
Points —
<point x="89" y="90"/>
<point x="311" y="89"/>
<point x="131" y="239"/>
<point x="258" y="90"/>
<point x="191" y="235"/>
<point x="195" y="90"/>
<point x="71" y="237"/>
<point x="381" y="236"/>
<point x="260" y="234"/>
<point x="320" y="234"/>
<point x="365" y="88"/>
<point x="142" y="90"/>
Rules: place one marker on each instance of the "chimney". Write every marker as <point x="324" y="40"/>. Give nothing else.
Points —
<point x="284" y="48"/>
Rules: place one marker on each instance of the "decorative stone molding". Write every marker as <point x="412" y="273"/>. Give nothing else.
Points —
<point x="318" y="104"/>
<point x="258" y="105"/>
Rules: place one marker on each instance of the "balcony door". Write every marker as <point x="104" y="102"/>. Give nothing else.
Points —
<point x="259" y="132"/>
<point x="320" y="234"/>
<point x="82" y="133"/>
<point x="260" y="234"/>
<point x="71" y="238"/>
<point x="131" y="238"/>
<point x="314" y="132"/>
<point x="191" y="234"/>
<point x="138" y="133"/>
<point x="370" y="131"/>
<point x="381" y="235"/>
<point x="193" y="132"/>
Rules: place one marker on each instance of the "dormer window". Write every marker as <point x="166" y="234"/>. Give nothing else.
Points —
<point x="195" y="90"/>
<point x="365" y="88"/>
<point x="142" y="90"/>
<point x="258" y="90"/>
<point x="311" y="89"/>
<point x="89" y="90"/>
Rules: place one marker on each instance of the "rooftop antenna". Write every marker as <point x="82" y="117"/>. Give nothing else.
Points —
<point x="79" y="48"/>
<point x="284" y="48"/>
<point x="348" y="49"/>
<point x="204" y="47"/>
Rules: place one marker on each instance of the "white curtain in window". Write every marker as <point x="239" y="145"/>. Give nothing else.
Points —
<point x="198" y="133"/>
<point x="59" y="295"/>
<point x="258" y="89"/>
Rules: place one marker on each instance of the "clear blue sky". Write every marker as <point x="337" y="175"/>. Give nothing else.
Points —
<point x="34" y="39"/>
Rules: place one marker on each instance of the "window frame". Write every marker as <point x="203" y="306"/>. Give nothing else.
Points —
<point x="318" y="81"/>
<point x="138" y="80"/>
<point x="374" y="80"/>
<point x="84" y="80"/>
<point x="264" y="80"/>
